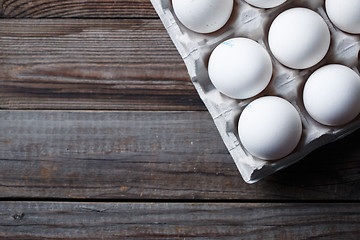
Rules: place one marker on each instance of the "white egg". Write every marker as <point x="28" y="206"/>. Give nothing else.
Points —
<point x="265" y="3"/>
<point x="332" y="95"/>
<point x="270" y="128"/>
<point x="299" y="38"/>
<point x="240" y="68"/>
<point x="203" y="16"/>
<point x="345" y="14"/>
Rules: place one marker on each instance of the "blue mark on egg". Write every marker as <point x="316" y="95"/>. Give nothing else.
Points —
<point x="228" y="43"/>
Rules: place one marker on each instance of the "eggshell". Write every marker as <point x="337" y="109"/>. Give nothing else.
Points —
<point x="265" y="3"/>
<point x="299" y="38"/>
<point x="332" y="95"/>
<point x="270" y="128"/>
<point x="345" y="14"/>
<point x="203" y="16"/>
<point x="240" y="68"/>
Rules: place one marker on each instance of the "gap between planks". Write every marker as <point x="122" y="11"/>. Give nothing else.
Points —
<point x="176" y="201"/>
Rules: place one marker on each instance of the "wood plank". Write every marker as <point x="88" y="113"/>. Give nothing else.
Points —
<point x="92" y="64"/>
<point x="152" y="155"/>
<point x="50" y="220"/>
<point x="76" y="9"/>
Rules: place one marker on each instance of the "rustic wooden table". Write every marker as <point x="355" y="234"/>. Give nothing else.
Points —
<point x="102" y="135"/>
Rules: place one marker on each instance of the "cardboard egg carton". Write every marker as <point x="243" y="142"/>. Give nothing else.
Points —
<point x="250" y="22"/>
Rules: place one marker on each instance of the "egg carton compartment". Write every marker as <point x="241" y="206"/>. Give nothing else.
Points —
<point x="254" y="23"/>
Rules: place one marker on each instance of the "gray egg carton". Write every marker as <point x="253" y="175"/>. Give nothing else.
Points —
<point x="250" y="22"/>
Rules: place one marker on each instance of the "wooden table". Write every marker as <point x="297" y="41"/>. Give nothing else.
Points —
<point x="102" y="135"/>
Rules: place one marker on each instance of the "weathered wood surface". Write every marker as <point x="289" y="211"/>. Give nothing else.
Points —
<point x="179" y="221"/>
<point x="92" y="64"/>
<point x="69" y="83"/>
<point x="152" y="155"/>
<point x="76" y="9"/>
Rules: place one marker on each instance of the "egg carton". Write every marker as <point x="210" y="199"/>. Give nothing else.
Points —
<point x="251" y="22"/>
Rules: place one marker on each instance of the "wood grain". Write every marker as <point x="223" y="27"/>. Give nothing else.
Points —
<point x="92" y="64"/>
<point x="49" y="220"/>
<point x="96" y="105"/>
<point x="152" y="155"/>
<point x="76" y="9"/>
